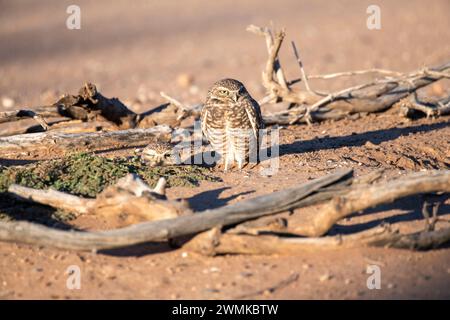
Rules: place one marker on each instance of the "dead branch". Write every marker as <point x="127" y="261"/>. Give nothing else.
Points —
<point x="169" y="228"/>
<point x="278" y="89"/>
<point x="383" y="72"/>
<point x="312" y="106"/>
<point x="431" y="108"/>
<point x="213" y="242"/>
<point x="53" y="198"/>
<point x="23" y="114"/>
<point x="302" y="70"/>
<point x="64" y="126"/>
<point x="362" y="198"/>
<point x="128" y="201"/>
<point x="91" y="106"/>
<point x="49" y="143"/>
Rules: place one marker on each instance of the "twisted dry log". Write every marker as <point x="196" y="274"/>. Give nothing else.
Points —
<point x="412" y="105"/>
<point x="90" y="106"/>
<point x="214" y="242"/>
<point x="49" y="143"/>
<point x="244" y="240"/>
<point x="170" y="228"/>
<point x="311" y="106"/>
<point x="363" y="198"/>
<point x="129" y="201"/>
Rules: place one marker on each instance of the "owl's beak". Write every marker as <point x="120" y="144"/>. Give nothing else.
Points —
<point x="235" y="96"/>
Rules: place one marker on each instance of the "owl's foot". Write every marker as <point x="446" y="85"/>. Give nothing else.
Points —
<point x="223" y="166"/>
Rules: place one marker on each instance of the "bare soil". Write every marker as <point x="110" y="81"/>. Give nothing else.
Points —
<point x="136" y="50"/>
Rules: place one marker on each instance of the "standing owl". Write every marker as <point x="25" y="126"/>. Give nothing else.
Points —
<point x="231" y="120"/>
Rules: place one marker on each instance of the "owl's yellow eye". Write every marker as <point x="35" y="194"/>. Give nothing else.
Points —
<point x="223" y="91"/>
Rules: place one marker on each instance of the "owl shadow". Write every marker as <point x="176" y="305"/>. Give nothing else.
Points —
<point x="210" y="199"/>
<point x="355" y="140"/>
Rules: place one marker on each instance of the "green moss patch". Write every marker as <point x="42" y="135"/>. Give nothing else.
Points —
<point x="86" y="174"/>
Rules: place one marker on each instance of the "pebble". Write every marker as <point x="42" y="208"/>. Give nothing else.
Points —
<point x="325" y="277"/>
<point x="7" y="102"/>
<point x="185" y="80"/>
<point x="245" y="274"/>
<point x="194" y="90"/>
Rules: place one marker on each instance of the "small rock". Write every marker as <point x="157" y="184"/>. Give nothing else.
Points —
<point x="245" y="274"/>
<point x="7" y="102"/>
<point x="194" y="90"/>
<point x="185" y="80"/>
<point x="211" y="270"/>
<point x="211" y="290"/>
<point x="325" y="277"/>
<point x="370" y="145"/>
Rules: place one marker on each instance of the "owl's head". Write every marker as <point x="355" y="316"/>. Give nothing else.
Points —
<point x="227" y="91"/>
<point x="158" y="154"/>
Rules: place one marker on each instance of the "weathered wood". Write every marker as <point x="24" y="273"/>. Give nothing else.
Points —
<point x="213" y="242"/>
<point x="37" y="113"/>
<point x="54" y="198"/>
<point x="363" y="198"/>
<point x="128" y="201"/>
<point x="170" y="228"/>
<point x="312" y="106"/>
<point x="56" y="142"/>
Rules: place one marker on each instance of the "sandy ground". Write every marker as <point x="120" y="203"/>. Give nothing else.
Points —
<point x="138" y="49"/>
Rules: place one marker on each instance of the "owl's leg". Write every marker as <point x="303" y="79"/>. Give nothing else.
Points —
<point x="227" y="164"/>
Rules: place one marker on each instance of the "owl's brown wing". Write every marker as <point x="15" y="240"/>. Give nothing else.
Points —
<point x="254" y="115"/>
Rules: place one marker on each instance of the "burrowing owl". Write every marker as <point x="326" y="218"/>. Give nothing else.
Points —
<point x="158" y="154"/>
<point x="231" y="120"/>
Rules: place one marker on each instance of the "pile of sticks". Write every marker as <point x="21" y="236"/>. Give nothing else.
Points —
<point x="309" y="105"/>
<point x="245" y="227"/>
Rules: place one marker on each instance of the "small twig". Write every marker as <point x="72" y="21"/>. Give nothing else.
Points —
<point x="9" y="116"/>
<point x="302" y="70"/>
<point x="356" y="72"/>
<point x="430" y="224"/>
<point x="171" y="100"/>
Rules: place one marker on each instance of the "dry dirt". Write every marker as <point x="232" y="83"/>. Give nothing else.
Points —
<point x="136" y="50"/>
